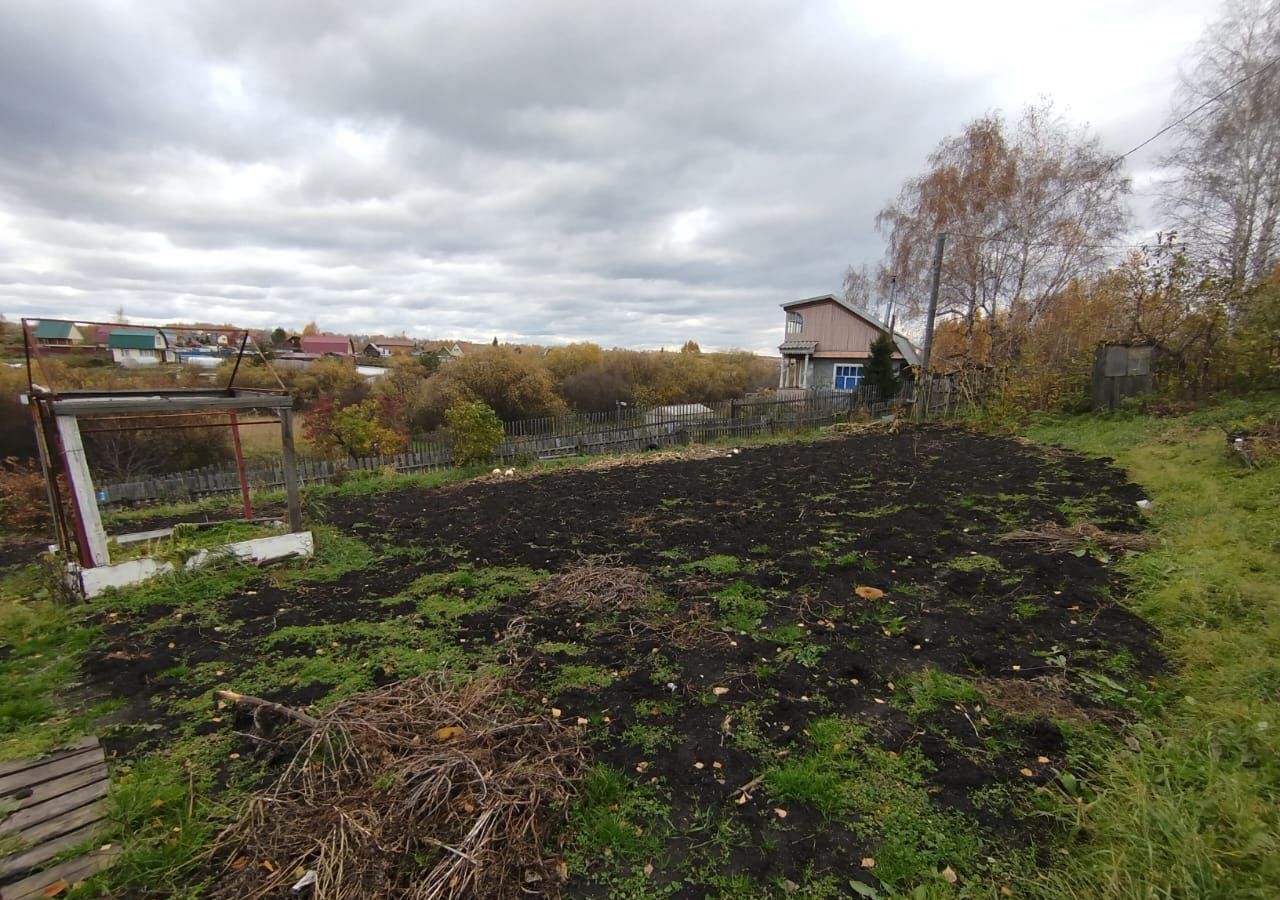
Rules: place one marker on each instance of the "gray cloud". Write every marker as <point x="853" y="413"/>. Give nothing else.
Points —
<point x="632" y="173"/>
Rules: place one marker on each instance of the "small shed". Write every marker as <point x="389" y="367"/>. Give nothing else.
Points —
<point x="138" y="346"/>
<point x="1120" y="371"/>
<point x="58" y="334"/>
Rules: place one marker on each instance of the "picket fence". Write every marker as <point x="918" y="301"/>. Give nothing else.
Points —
<point x="625" y="429"/>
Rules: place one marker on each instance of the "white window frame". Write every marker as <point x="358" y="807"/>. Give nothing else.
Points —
<point x="858" y="374"/>
<point x="795" y="323"/>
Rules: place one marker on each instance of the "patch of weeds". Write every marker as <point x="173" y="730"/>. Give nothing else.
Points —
<point x="575" y="676"/>
<point x="560" y="648"/>
<point x="1026" y="609"/>
<point x="746" y="729"/>
<point x="759" y="549"/>
<point x="884" y="797"/>
<point x="650" y="738"/>
<point x="466" y="590"/>
<point x="741" y="606"/>
<point x="655" y="708"/>
<point x="789" y="633"/>
<point x="663" y="671"/>
<point x="616" y="825"/>
<point x="976" y="562"/>
<point x="713" y="565"/>
<point x="928" y="690"/>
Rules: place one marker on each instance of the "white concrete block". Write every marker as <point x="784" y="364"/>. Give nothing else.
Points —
<point x="92" y="582"/>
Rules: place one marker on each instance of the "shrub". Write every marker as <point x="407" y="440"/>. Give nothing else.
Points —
<point x="880" y="372"/>
<point x="24" y="506"/>
<point x="477" y="432"/>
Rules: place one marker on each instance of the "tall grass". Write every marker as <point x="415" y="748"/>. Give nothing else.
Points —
<point x="1194" y="811"/>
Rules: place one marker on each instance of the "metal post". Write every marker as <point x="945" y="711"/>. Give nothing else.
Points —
<point x="90" y="535"/>
<point x="933" y="301"/>
<point x="290" y="470"/>
<point x="244" y="478"/>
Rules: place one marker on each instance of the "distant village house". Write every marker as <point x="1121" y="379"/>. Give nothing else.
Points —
<point x="138" y="346"/>
<point x="327" y="345"/>
<point x="58" y="334"/>
<point x="827" y="344"/>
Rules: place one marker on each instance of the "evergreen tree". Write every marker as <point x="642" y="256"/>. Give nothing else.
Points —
<point x="880" y="372"/>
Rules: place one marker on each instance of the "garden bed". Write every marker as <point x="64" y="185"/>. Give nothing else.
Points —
<point x="757" y="724"/>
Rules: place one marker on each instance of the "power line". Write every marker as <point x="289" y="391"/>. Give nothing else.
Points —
<point x="1163" y="131"/>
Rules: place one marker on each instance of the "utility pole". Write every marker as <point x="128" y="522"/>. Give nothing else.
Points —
<point x="933" y="300"/>
<point x="893" y="290"/>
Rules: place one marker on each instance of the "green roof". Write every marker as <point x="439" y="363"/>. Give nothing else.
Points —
<point x="132" y="339"/>
<point x="53" y="331"/>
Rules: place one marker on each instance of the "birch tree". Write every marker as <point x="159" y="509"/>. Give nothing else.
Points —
<point x="1026" y="208"/>
<point x="1225" y="197"/>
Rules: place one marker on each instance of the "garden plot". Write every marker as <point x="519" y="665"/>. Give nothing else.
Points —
<point x="807" y="669"/>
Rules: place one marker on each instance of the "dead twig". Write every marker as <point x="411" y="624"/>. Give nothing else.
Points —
<point x="258" y="703"/>
<point x="597" y="583"/>
<point x="421" y="790"/>
<point x="1058" y="538"/>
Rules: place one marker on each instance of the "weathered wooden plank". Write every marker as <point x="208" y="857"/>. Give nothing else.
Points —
<point x="50" y="769"/>
<point x="72" y="871"/>
<point x="69" y="821"/>
<point x="42" y="853"/>
<point x="50" y="809"/>
<point x="18" y="765"/>
<point x="43" y="791"/>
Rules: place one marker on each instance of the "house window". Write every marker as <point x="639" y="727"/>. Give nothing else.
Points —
<point x="795" y="323"/>
<point x="848" y="377"/>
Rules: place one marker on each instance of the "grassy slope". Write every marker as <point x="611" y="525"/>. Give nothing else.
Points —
<point x="1195" y="812"/>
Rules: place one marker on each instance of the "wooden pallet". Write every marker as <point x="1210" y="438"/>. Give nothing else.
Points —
<point x="51" y="805"/>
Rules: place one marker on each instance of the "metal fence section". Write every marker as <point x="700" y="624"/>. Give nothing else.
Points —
<point x="622" y="430"/>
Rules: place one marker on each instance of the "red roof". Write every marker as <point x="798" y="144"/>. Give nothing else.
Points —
<point x="326" y="343"/>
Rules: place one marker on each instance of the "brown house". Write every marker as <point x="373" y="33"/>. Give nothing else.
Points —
<point x="328" y="345"/>
<point x="389" y="346"/>
<point x="827" y="344"/>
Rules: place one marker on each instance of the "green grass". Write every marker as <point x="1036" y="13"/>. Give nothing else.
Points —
<point x="741" y="606"/>
<point x="616" y="824"/>
<point x="975" y="562"/>
<point x="883" y="797"/>
<point x="928" y="690"/>
<point x="713" y="565"/>
<point x="576" y="676"/>
<point x="1194" y="812"/>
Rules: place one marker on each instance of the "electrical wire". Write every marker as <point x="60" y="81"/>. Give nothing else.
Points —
<point x="1163" y="131"/>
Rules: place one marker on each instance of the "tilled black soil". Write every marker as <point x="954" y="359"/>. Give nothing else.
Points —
<point x="913" y="513"/>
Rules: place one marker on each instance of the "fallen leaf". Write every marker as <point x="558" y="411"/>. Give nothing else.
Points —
<point x="448" y="733"/>
<point x="1027" y="772"/>
<point x="868" y="862"/>
<point x="268" y="865"/>
<point x="235" y="756"/>
<point x="555" y="713"/>
<point x="719" y="691"/>
<point x="55" y="889"/>
<point x="743" y="798"/>
<point x="1006" y="891"/>
<point x="949" y="875"/>
<point x="699" y="765"/>
<point x="782" y="813"/>
<point x="868" y="593"/>
<point x="648" y="869"/>
<point x="1042" y="759"/>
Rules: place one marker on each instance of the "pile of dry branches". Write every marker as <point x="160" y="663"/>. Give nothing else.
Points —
<point x="417" y="790"/>
<point x="598" y="583"/>
<point x="1057" y="538"/>
<point x="1257" y="447"/>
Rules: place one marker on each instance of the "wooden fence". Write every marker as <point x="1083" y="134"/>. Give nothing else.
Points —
<point x="625" y="429"/>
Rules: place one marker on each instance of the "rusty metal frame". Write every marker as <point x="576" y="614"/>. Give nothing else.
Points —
<point x="155" y="407"/>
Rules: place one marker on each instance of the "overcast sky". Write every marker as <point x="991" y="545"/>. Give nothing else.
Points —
<point x="636" y="174"/>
